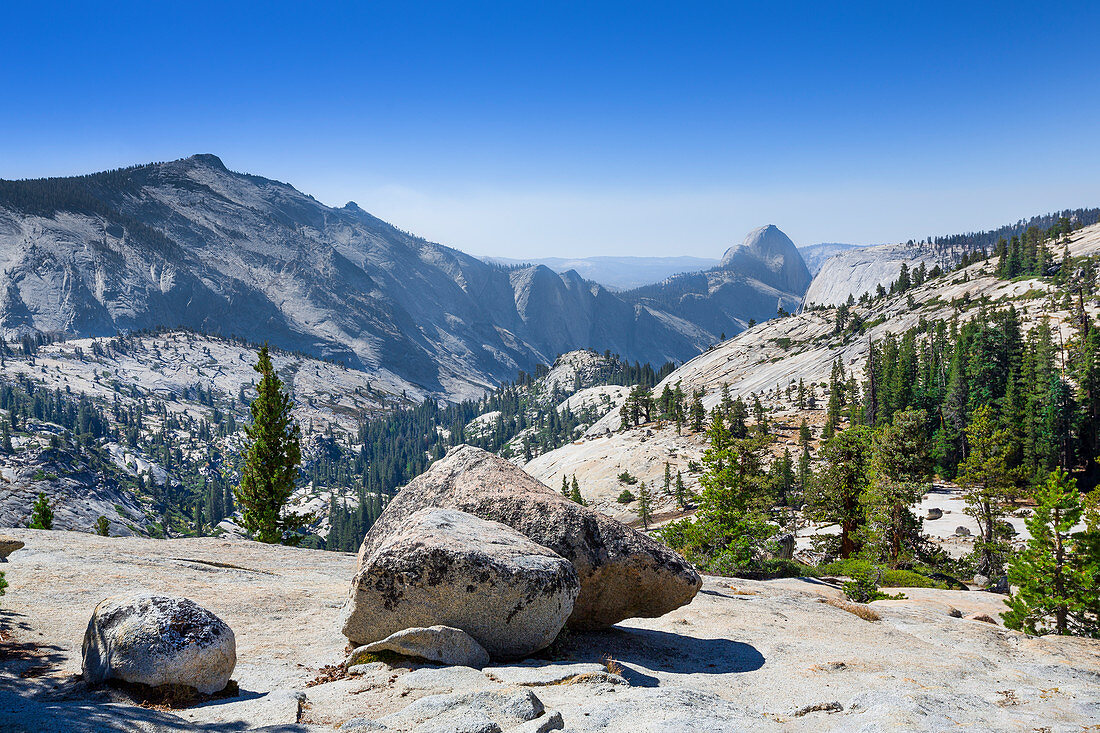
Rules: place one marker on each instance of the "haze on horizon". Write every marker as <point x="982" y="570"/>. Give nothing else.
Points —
<point x="627" y="129"/>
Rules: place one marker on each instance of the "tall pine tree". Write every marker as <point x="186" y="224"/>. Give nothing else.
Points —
<point x="272" y="458"/>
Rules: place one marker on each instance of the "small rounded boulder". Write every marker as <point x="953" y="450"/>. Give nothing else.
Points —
<point x="155" y="641"/>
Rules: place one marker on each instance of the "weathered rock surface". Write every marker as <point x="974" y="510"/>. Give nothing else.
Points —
<point x="623" y="573"/>
<point x="489" y="709"/>
<point x="441" y="566"/>
<point x="157" y="640"/>
<point x="725" y="661"/>
<point x="443" y="644"/>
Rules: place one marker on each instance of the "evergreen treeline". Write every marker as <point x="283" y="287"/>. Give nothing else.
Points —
<point x="987" y="240"/>
<point x="1045" y="393"/>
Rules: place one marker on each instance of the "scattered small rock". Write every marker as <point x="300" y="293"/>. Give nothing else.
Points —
<point x="543" y="724"/>
<point x="962" y="531"/>
<point x="934" y="513"/>
<point x="442" y="644"/>
<point x="980" y="617"/>
<point x="821" y="707"/>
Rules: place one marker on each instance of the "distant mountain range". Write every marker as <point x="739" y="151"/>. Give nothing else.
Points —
<point x="618" y="273"/>
<point x="626" y="273"/>
<point x="191" y="244"/>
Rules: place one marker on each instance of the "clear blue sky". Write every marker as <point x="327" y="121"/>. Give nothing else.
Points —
<point x="535" y="129"/>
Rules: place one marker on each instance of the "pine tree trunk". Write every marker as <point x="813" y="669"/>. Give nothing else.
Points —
<point x="1060" y="611"/>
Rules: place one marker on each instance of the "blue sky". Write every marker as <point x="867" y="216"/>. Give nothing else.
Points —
<point x="538" y="129"/>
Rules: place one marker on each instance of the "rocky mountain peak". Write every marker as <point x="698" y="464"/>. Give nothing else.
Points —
<point x="769" y="255"/>
<point x="207" y="159"/>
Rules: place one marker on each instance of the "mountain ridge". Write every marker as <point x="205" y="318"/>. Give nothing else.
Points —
<point x="189" y="243"/>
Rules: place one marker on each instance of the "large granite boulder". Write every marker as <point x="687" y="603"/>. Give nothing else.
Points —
<point x="623" y="573"/>
<point x="158" y="640"/>
<point x="446" y="567"/>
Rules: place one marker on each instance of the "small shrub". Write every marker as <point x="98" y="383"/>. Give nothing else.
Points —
<point x="625" y="497"/>
<point x="778" y="568"/>
<point x="853" y="567"/>
<point x="41" y="514"/>
<point x="863" y="588"/>
<point x="856" y="609"/>
<point x="626" y="478"/>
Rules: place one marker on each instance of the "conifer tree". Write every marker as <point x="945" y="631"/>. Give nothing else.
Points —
<point x="899" y="469"/>
<point x="102" y="526"/>
<point x="41" y="513"/>
<point x="272" y="458"/>
<point x="698" y="412"/>
<point x="1057" y="576"/>
<point x="645" y="504"/>
<point x="835" y="494"/>
<point x="987" y="482"/>
<point x="681" y="492"/>
<point x="575" y="493"/>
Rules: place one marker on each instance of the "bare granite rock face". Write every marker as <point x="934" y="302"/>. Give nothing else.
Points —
<point x="724" y="662"/>
<point x="447" y="567"/>
<point x="157" y="640"/>
<point x="623" y="573"/>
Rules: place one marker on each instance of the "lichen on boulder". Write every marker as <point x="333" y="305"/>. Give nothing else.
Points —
<point x="446" y="567"/>
<point x="158" y="641"/>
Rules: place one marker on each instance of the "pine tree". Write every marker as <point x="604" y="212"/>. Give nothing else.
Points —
<point x="575" y="494"/>
<point x="1057" y="576"/>
<point x="41" y="514"/>
<point x="645" y="504"/>
<point x="987" y="482"/>
<point x="564" y="486"/>
<point x="835" y="493"/>
<point x="668" y="480"/>
<point x="698" y="413"/>
<point x="899" y="470"/>
<point x="681" y="492"/>
<point x="272" y="458"/>
<point x="102" y="526"/>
